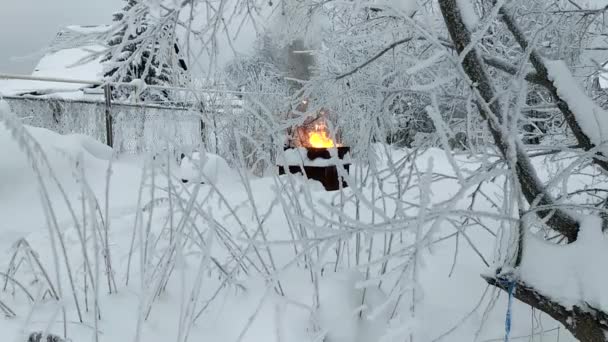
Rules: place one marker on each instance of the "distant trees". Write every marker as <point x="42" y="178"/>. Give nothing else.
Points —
<point x="142" y="48"/>
<point x="259" y="73"/>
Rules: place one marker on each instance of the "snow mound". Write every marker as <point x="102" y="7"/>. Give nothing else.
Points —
<point x="343" y="313"/>
<point x="573" y="274"/>
<point x="61" y="151"/>
<point x="299" y="156"/>
<point x="92" y="146"/>
<point x="208" y="168"/>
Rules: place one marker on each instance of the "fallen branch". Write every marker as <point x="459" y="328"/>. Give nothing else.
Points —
<point x="585" y="322"/>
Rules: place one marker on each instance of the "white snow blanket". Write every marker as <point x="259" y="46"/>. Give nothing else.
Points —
<point x="207" y="296"/>
<point x="299" y="156"/>
<point x="63" y="154"/>
<point x="572" y="274"/>
<point x="206" y="168"/>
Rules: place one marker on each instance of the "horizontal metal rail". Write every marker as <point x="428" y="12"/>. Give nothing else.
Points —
<point x="109" y="103"/>
<point x="185" y="107"/>
<point x="47" y="79"/>
<point x="127" y="84"/>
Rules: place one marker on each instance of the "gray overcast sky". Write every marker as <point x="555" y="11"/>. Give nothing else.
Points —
<point x="27" y="26"/>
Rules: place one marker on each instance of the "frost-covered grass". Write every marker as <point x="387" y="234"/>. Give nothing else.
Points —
<point x="246" y="259"/>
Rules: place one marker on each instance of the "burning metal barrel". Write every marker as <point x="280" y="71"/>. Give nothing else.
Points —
<point x="318" y="163"/>
<point x="311" y="150"/>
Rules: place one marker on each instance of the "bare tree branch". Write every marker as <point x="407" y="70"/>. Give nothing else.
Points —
<point x="505" y="66"/>
<point x="380" y="54"/>
<point x="585" y="323"/>
<point x="473" y="66"/>
<point x="541" y="70"/>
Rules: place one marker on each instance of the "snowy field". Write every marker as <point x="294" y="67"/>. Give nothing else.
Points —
<point x="244" y="259"/>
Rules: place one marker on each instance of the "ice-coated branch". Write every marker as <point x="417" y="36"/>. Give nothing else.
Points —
<point x="584" y="322"/>
<point x="505" y="66"/>
<point x="563" y="104"/>
<point x="489" y="108"/>
<point x="378" y="55"/>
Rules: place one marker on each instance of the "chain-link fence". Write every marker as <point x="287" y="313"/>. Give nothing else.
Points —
<point x="136" y="128"/>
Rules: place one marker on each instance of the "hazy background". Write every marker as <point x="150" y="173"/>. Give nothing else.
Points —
<point x="28" y="26"/>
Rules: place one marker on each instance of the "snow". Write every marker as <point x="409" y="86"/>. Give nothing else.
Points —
<point x="75" y="53"/>
<point x="273" y="258"/>
<point x="61" y="151"/>
<point x="341" y="306"/>
<point x="89" y="29"/>
<point x="572" y="274"/>
<point x="299" y="156"/>
<point x="247" y="308"/>
<point x="592" y="119"/>
<point x="19" y="193"/>
<point x="68" y="62"/>
<point x="73" y="63"/>
<point x="603" y="79"/>
<point x="404" y="7"/>
<point x="209" y="169"/>
<point x="92" y="146"/>
<point x="139" y="86"/>
<point x="467" y="11"/>
<point x="61" y="64"/>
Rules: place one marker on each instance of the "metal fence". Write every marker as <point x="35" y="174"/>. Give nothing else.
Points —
<point x="133" y="128"/>
<point x="193" y="117"/>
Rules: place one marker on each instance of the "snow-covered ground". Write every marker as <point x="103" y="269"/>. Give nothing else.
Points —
<point x="203" y="262"/>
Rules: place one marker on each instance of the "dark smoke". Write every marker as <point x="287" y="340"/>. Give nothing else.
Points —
<point x="299" y="64"/>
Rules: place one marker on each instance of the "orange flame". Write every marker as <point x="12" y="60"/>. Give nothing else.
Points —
<point x="319" y="137"/>
<point x="320" y="140"/>
<point x="313" y="133"/>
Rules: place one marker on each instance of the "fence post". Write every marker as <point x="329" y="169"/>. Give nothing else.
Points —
<point x="202" y="132"/>
<point x="107" y="91"/>
<point x="202" y="125"/>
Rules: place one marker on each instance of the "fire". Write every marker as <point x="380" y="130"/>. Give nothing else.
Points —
<point x="319" y="137"/>
<point x="313" y="133"/>
<point x="320" y="140"/>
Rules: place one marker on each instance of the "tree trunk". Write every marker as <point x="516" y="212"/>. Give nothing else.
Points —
<point x="542" y="73"/>
<point x="585" y="323"/>
<point x="473" y="66"/>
